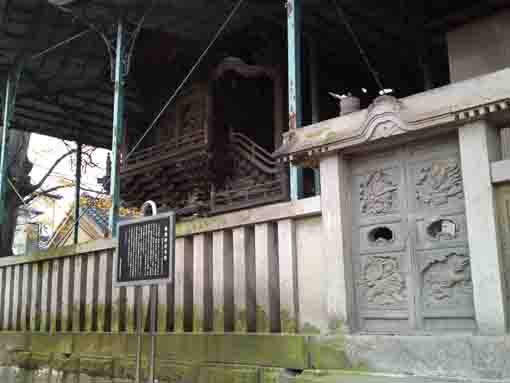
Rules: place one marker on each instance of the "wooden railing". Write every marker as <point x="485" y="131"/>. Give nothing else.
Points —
<point x="236" y="272"/>
<point x="167" y="149"/>
<point x="255" y="153"/>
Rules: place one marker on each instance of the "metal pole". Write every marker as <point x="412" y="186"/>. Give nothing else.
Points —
<point x="139" y="330"/>
<point x="8" y="111"/>
<point x="314" y="96"/>
<point x="154" y="304"/>
<point x="77" y="194"/>
<point x="118" y="125"/>
<point x="295" y="91"/>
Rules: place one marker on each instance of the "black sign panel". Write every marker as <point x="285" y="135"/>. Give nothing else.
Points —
<point x="145" y="250"/>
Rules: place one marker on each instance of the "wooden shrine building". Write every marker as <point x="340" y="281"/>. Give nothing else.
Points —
<point x="205" y="144"/>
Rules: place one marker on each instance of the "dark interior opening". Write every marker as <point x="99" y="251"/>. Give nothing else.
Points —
<point x="381" y="234"/>
<point x="244" y="105"/>
<point x="442" y="227"/>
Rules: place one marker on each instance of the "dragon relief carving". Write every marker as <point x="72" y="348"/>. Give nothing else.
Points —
<point x="378" y="193"/>
<point x="438" y="183"/>
<point x="383" y="282"/>
<point x="447" y="280"/>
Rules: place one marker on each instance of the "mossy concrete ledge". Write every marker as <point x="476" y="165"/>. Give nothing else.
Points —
<point x="97" y="352"/>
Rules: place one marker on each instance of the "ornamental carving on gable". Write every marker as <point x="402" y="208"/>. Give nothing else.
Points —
<point x="383" y="119"/>
<point x="382" y="281"/>
<point x="378" y="193"/>
<point x="447" y="280"/>
<point x="439" y="182"/>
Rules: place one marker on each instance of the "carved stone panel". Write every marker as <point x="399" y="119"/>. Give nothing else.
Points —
<point x="411" y="262"/>
<point x="439" y="182"/>
<point x="384" y="236"/>
<point x="381" y="283"/>
<point x="446" y="280"/>
<point x="378" y="192"/>
<point x="441" y="230"/>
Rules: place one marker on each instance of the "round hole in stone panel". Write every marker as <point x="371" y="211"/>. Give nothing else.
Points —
<point x="442" y="229"/>
<point x="381" y="235"/>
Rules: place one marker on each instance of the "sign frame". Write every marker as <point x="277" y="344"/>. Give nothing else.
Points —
<point x="171" y="216"/>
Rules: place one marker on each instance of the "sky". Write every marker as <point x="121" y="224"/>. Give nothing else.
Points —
<point x="43" y="152"/>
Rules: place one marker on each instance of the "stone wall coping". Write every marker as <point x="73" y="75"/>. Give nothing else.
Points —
<point x="451" y="105"/>
<point x="60" y="252"/>
<point x="270" y="213"/>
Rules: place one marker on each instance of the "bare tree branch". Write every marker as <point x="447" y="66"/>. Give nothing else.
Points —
<point x="33" y="188"/>
<point x="45" y="192"/>
<point x="48" y="192"/>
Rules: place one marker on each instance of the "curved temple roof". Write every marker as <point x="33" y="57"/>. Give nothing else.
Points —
<point x="67" y="92"/>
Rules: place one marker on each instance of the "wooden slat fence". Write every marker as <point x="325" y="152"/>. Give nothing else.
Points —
<point x="235" y="272"/>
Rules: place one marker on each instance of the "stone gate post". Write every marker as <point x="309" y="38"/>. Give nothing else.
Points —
<point x="479" y="145"/>
<point x="336" y="216"/>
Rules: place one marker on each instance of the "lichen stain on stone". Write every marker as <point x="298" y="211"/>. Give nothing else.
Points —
<point x="130" y="319"/>
<point x="198" y="322"/>
<point x="97" y="355"/>
<point x="309" y="328"/>
<point x="176" y="372"/>
<point x="197" y="225"/>
<point x="316" y="220"/>
<point x="331" y="136"/>
<point x="218" y="319"/>
<point x="161" y="318"/>
<point x="213" y="374"/>
<point x="262" y="320"/>
<point x="328" y="352"/>
<point x="179" y="319"/>
<point x="288" y="322"/>
<point x="240" y="324"/>
<point x="97" y="367"/>
<point x="316" y="133"/>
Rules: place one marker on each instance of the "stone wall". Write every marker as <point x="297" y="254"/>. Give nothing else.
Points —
<point x="186" y="358"/>
<point x="248" y="271"/>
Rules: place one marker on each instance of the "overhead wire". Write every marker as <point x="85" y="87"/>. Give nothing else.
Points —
<point x="187" y="77"/>
<point x="60" y="44"/>
<point x="343" y="18"/>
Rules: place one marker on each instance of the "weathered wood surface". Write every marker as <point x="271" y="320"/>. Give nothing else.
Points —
<point x="181" y="173"/>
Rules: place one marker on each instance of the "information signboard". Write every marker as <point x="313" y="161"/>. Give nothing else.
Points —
<point x="145" y="251"/>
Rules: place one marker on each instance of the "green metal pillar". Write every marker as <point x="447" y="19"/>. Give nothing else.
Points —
<point x="8" y="111"/>
<point x="295" y="86"/>
<point x="77" y="194"/>
<point x="315" y="99"/>
<point x="118" y="126"/>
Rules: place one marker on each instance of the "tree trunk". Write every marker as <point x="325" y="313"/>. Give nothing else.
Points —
<point x="19" y="169"/>
<point x="7" y="230"/>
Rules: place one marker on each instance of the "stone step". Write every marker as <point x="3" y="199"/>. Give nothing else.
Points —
<point x="365" y="377"/>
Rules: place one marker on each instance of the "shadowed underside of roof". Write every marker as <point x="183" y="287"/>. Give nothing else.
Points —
<point x="68" y="93"/>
